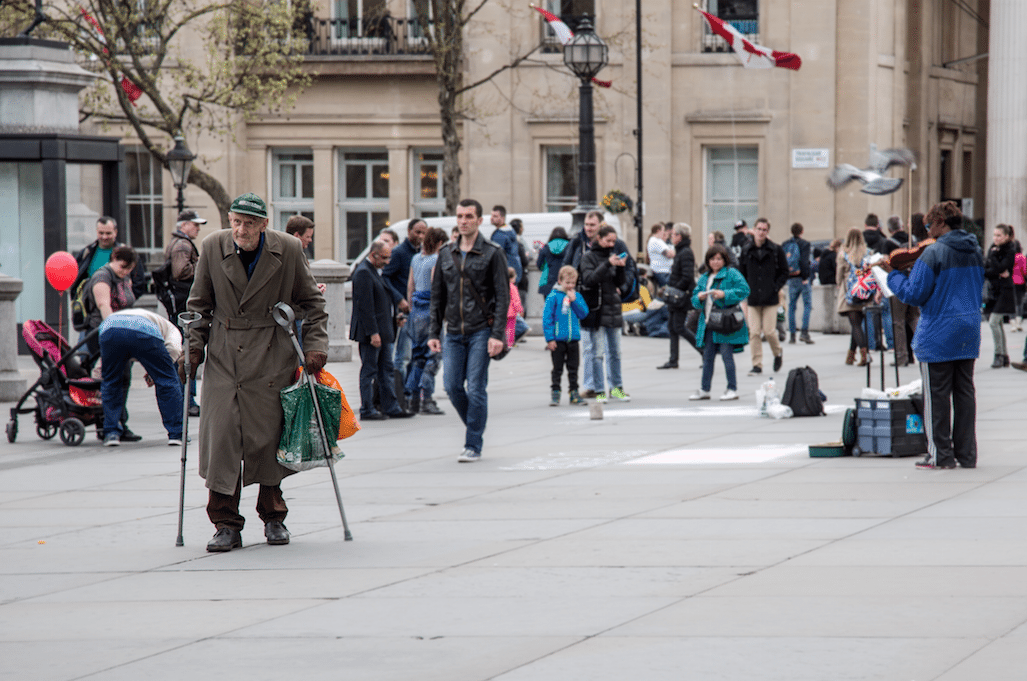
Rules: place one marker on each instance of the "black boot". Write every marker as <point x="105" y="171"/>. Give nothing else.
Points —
<point x="998" y="363"/>
<point x="414" y="403"/>
<point x="1005" y="360"/>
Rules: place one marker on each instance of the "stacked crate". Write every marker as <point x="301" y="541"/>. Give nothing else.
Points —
<point x="889" y="428"/>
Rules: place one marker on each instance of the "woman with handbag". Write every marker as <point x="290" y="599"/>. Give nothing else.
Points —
<point x="678" y="292"/>
<point x="852" y="255"/>
<point x="722" y="330"/>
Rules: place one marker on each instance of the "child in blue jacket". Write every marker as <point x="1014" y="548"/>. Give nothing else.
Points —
<point x="561" y="323"/>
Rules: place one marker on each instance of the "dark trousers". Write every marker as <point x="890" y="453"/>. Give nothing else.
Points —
<point x="566" y="352"/>
<point x="676" y="330"/>
<point x="858" y="338"/>
<point x="117" y="348"/>
<point x="223" y="509"/>
<point x="376" y="367"/>
<point x="950" y="412"/>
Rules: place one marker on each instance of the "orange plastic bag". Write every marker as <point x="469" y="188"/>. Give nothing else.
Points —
<point x="348" y="425"/>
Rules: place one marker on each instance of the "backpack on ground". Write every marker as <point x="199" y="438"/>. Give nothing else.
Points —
<point x="802" y="393"/>
<point x="793" y="256"/>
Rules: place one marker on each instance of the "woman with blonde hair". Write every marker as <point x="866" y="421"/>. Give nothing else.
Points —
<point x="852" y="254"/>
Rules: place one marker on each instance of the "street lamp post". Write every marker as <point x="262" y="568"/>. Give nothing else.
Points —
<point x="586" y="54"/>
<point x="180" y="161"/>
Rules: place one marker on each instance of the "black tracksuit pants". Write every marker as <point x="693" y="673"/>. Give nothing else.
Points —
<point x="950" y="412"/>
<point x="566" y="352"/>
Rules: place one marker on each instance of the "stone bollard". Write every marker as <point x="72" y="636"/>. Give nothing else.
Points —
<point x="595" y="411"/>
<point x="334" y="275"/>
<point x="12" y="385"/>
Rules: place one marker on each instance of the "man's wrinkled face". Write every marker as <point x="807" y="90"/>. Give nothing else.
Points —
<point x="416" y="234"/>
<point x="467" y="220"/>
<point x="106" y="234"/>
<point x="246" y="230"/>
<point x="381" y="258"/>
<point x="498" y="219"/>
<point x="591" y="226"/>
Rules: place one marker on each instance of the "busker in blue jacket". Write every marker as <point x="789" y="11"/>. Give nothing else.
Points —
<point x="946" y="283"/>
<point x="561" y="324"/>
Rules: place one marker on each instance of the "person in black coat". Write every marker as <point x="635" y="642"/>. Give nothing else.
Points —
<point x="765" y="268"/>
<point x="872" y="234"/>
<point x="373" y="327"/>
<point x="828" y="263"/>
<point x="602" y="278"/>
<point x="998" y="270"/>
<point x="682" y="277"/>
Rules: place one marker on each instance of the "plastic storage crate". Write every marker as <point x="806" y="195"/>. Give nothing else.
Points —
<point x="889" y="428"/>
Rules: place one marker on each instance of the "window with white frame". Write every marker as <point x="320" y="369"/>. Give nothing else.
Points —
<point x="732" y="187"/>
<point x="561" y="173"/>
<point x="363" y="198"/>
<point x="429" y="201"/>
<point x="360" y="20"/>
<point x="145" y="202"/>
<point x="743" y="15"/>
<point x="292" y="185"/>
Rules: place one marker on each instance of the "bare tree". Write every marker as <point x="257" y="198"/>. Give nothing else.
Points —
<point x="443" y="24"/>
<point x="193" y="67"/>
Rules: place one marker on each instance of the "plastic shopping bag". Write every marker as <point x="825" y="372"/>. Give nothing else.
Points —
<point x="301" y="446"/>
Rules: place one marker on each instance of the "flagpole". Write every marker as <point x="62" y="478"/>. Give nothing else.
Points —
<point x="638" y="108"/>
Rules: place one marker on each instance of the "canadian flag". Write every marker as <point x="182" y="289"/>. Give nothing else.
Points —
<point x="752" y="56"/>
<point x="132" y="90"/>
<point x="565" y="35"/>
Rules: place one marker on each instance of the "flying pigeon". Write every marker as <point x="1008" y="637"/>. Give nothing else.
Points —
<point x="873" y="177"/>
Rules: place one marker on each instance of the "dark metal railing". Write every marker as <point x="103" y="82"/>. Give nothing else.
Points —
<point x="367" y="36"/>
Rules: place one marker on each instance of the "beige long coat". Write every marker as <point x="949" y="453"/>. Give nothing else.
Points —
<point x="249" y="358"/>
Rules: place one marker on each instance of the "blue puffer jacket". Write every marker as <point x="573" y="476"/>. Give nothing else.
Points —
<point x="559" y="324"/>
<point x="945" y="284"/>
<point x="736" y="289"/>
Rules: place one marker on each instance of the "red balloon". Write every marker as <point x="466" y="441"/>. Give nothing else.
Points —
<point x="61" y="270"/>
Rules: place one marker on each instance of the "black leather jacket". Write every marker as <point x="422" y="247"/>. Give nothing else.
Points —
<point x="453" y="299"/>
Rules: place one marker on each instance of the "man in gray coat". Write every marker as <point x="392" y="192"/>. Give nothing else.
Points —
<point x="241" y="274"/>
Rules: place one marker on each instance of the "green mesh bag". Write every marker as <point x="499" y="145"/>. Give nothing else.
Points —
<point x="301" y="447"/>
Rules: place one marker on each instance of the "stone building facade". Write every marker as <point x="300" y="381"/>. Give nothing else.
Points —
<point x="361" y="149"/>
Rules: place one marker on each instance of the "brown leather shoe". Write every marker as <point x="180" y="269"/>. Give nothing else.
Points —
<point x="276" y="533"/>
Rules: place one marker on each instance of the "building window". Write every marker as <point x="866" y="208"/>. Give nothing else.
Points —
<point x="742" y="14"/>
<point x="360" y="20"/>
<point x="570" y="12"/>
<point x="732" y="187"/>
<point x="429" y="201"/>
<point x="145" y="202"/>
<point x="561" y="172"/>
<point x="292" y="186"/>
<point x="363" y="198"/>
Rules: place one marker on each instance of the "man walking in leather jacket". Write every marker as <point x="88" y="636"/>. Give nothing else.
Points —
<point x="471" y="294"/>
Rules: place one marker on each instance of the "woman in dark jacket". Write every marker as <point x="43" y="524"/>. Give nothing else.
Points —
<point x="682" y="277"/>
<point x="550" y="258"/>
<point x="998" y="270"/>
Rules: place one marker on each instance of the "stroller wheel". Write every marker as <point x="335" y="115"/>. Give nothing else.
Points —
<point x="73" y="432"/>
<point x="12" y="430"/>
<point x="46" y="430"/>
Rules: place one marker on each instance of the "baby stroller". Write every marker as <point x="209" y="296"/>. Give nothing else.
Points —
<point x="66" y="398"/>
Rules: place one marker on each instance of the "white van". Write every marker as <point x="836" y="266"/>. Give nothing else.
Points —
<point x="537" y="227"/>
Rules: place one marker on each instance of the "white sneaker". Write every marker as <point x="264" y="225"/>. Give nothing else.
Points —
<point x="729" y="395"/>
<point x="700" y="395"/>
<point x="174" y="442"/>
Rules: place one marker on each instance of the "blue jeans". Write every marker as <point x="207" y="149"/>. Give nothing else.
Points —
<point x="466" y="379"/>
<point x="599" y="345"/>
<point x="661" y="278"/>
<point x="870" y="324"/>
<point x="376" y="366"/>
<point x="709" y="355"/>
<point x="117" y="347"/>
<point x="424" y="364"/>
<point x="402" y="350"/>
<point x="795" y="289"/>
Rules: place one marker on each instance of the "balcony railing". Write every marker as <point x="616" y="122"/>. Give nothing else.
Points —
<point x="357" y="37"/>
<point x="749" y="28"/>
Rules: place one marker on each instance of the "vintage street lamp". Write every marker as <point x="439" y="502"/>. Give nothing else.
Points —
<point x="586" y="54"/>
<point x="180" y="161"/>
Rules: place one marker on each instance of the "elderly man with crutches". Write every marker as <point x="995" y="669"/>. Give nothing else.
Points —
<point x="242" y="273"/>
